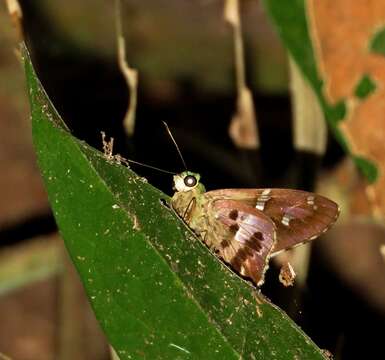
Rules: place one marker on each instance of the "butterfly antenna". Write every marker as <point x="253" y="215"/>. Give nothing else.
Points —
<point x="150" y="167"/>
<point x="108" y="146"/>
<point x="176" y="145"/>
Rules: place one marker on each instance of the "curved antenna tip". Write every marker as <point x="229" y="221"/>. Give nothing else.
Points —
<point x="176" y="145"/>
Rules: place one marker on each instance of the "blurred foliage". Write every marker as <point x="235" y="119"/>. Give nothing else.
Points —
<point x="378" y="42"/>
<point x="291" y="22"/>
<point x="365" y="87"/>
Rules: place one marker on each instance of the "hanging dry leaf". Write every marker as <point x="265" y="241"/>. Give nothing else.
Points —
<point x="16" y="14"/>
<point x="243" y="127"/>
<point x="130" y="74"/>
<point x="287" y="275"/>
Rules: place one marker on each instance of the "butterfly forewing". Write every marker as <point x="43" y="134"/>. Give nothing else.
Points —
<point x="299" y="216"/>
<point x="247" y="240"/>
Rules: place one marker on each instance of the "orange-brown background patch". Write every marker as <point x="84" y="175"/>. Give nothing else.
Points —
<point x="342" y="31"/>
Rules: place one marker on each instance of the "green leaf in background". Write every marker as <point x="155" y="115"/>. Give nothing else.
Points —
<point x="369" y="170"/>
<point x="155" y="288"/>
<point x="377" y="44"/>
<point x="365" y="87"/>
<point x="290" y="21"/>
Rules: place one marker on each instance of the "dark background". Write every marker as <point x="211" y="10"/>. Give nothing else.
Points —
<point x="189" y="84"/>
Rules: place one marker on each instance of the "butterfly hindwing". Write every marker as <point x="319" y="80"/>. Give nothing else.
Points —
<point x="247" y="238"/>
<point x="299" y="216"/>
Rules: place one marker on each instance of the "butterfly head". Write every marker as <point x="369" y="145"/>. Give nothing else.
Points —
<point x="187" y="181"/>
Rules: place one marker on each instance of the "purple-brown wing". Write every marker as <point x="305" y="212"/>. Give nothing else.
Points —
<point x="247" y="240"/>
<point x="299" y="216"/>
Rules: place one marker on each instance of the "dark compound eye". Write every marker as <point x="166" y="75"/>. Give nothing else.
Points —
<point x="190" y="181"/>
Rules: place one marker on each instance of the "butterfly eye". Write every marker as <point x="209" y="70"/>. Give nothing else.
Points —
<point x="190" y="181"/>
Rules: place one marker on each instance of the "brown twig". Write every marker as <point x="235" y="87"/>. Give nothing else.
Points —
<point x="16" y="14"/>
<point x="130" y="74"/>
<point x="243" y="127"/>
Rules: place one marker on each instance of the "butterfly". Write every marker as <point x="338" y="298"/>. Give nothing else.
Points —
<point x="246" y="227"/>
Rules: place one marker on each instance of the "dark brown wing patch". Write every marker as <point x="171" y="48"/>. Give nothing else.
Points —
<point x="249" y="238"/>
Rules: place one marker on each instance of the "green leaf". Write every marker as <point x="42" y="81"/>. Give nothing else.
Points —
<point x="377" y="44"/>
<point x="155" y="288"/>
<point x="290" y="20"/>
<point x="365" y="87"/>
<point x="367" y="167"/>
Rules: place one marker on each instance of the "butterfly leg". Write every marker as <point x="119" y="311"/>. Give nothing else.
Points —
<point x="189" y="209"/>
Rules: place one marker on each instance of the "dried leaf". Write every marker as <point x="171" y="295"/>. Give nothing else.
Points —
<point x="243" y="126"/>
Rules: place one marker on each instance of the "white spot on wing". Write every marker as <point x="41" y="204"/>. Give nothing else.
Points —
<point x="260" y="205"/>
<point x="286" y="219"/>
<point x="266" y="192"/>
<point x="310" y="200"/>
<point x="243" y="271"/>
<point x="263" y="199"/>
